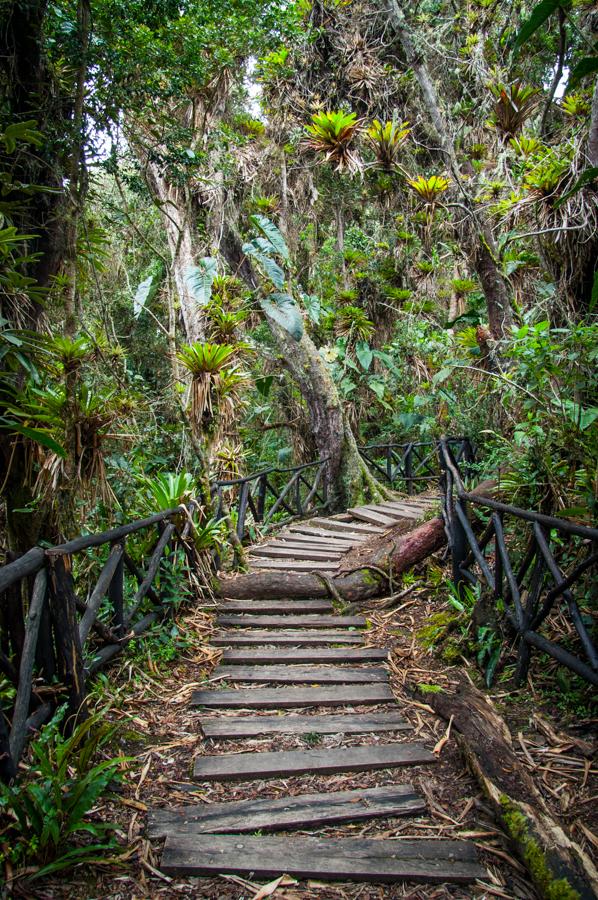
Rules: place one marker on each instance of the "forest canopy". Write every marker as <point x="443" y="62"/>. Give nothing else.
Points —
<point x="242" y="234"/>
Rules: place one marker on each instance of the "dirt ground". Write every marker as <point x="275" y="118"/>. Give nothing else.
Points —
<point x="159" y="733"/>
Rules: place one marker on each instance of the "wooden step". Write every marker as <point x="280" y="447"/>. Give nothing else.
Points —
<point x="308" y="542"/>
<point x="337" y="525"/>
<point x="279" y="551"/>
<point x="283" y="813"/>
<point x="329" y="761"/>
<point x="372" y="515"/>
<point x="300" y="674"/>
<point x="292" y="565"/>
<point x="344" y="859"/>
<point x="308" y="638"/>
<point x="291" y="621"/>
<point x="312" y="532"/>
<point x="402" y="509"/>
<point x="275" y="607"/>
<point x="235" y="727"/>
<point x="294" y="697"/>
<point x="315" y="656"/>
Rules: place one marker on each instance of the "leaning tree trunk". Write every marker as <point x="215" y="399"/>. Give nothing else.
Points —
<point x="348" y="479"/>
<point x="482" y="250"/>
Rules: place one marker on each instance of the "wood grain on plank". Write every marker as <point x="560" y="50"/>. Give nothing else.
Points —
<point x="328" y="761"/>
<point x="301" y="674"/>
<point x="289" y="697"/>
<point x="275" y="607"/>
<point x="279" y="551"/>
<point x="291" y="621"/>
<point x="347" y="859"/>
<point x="309" y="637"/>
<point x="314" y="532"/>
<point x="293" y="565"/>
<point x="370" y="515"/>
<point x="342" y="527"/>
<point x="304" y="655"/>
<point x="292" y="723"/>
<point x="280" y="813"/>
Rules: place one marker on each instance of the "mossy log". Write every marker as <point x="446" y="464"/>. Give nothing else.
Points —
<point x="559" y="867"/>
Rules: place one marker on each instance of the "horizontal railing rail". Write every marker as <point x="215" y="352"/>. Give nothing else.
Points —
<point x="413" y="465"/>
<point x="286" y="493"/>
<point x="556" y="572"/>
<point x="53" y="649"/>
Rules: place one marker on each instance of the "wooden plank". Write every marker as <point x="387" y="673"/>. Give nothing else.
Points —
<point x="275" y="606"/>
<point x="402" y="509"/>
<point x="305" y="541"/>
<point x="370" y="515"/>
<point x="294" y="566"/>
<point x="314" y="655"/>
<point x="308" y="638"/>
<point x="279" y="551"/>
<point x="282" y="813"/>
<point x="291" y="621"/>
<point x="355" y="527"/>
<point x="328" y="761"/>
<point x="312" y="531"/>
<point x="297" y="540"/>
<point x="300" y="674"/>
<point x="236" y="727"/>
<point x="345" y="859"/>
<point x="291" y="697"/>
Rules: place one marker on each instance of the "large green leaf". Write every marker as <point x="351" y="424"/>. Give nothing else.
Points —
<point x="272" y="234"/>
<point x="37" y="435"/>
<point x="266" y="263"/>
<point x="144" y="293"/>
<point x="539" y="14"/>
<point x="199" y="279"/>
<point x="586" y="66"/>
<point x="364" y="354"/>
<point x="283" y="309"/>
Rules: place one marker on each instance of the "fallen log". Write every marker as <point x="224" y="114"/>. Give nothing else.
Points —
<point x="558" y="866"/>
<point x="365" y="573"/>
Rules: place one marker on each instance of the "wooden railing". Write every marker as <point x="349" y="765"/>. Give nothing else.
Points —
<point x="414" y="465"/>
<point x="63" y="640"/>
<point x="556" y="572"/>
<point x="272" y="495"/>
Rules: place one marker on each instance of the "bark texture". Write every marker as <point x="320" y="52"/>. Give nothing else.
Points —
<point x="558" y="866"/>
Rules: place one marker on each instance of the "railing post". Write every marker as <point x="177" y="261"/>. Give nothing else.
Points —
<point x="243" y="493"/>
<point x="389" y="464"/>
<point x="116" y="591"/>
<point x="261" y="497"/>
<point x="409" y="468"/>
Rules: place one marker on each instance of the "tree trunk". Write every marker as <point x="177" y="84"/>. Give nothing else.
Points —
<point x="593" y="135"/>
<point x="482" y="250"/>
<point x="347" y="477"/>
<point x="177" y="218"/>
<point x="558" y="866"/>
<point x="397" y="553"/>
<point x="378" y="562"/>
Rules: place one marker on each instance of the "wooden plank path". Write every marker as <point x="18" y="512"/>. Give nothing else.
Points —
<point x="319" y="544"/>
<point x="289" y="657"/>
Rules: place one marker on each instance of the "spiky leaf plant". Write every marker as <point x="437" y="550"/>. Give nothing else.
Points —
<point x="331" y="134"/>
<point x="429" y="189"/>
<point x="514" y="104"/>
<point x="351" y="322"/>
<point x="204" y="362"/>
<point x="166" y="490"/>
<point x="386" y="141"/>
<point x="525" y="145"/>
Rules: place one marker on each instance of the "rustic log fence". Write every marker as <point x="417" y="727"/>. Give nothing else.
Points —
<point x="412" y="466"/>
<point x="50" y="653"/>
<point x="556" y="573"/>
<point x="272" y="495"/>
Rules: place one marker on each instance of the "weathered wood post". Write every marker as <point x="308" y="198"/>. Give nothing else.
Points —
<point x="66" y="635"/>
